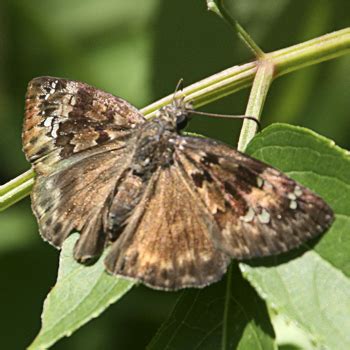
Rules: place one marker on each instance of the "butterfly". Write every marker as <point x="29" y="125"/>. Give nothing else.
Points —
<point x="173" y="210"/>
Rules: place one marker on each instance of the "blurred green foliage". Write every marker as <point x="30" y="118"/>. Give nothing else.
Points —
<point x="139" y="50"/>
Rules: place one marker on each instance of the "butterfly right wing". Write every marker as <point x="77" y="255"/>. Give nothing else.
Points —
<point x="211" y="204"/>
<point x="259" y="210"/>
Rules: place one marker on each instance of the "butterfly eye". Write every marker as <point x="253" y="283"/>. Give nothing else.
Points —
<point x="181" y="121"/>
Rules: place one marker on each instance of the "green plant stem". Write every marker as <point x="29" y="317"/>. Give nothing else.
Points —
<point x="257" y="97"/>
<point x="233" y="79"/>
<point x="284" y="61"/>
<point x="261" y="85"/>
<point x="249" y="42"/>
<point x="23" y="178"/>
<point x="218" y="7"/>
<point x="16" y="189"/>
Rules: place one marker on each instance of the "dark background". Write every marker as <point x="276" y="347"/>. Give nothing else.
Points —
<point x="138" y="50"/>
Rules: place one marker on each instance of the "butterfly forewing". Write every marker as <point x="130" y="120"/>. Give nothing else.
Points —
<point x="259" y="210"/>
<point x="64" y="118"/>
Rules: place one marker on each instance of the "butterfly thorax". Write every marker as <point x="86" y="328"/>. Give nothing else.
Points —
<point x="154" y="145"/>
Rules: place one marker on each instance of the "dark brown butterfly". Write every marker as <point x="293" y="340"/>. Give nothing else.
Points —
<point x="174" y="209"/>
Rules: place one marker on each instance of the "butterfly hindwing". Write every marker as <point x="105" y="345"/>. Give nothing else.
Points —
<point x="260" y="211"/>
<point x="78" y="198"/>
<point x="167" y="243"/>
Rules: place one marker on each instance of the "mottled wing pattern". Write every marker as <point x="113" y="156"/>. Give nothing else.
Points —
<point x="78" y="198"/>
<point x="78" y="140"/>
<point x="167" y="242"/>
<point x="259" y="210"/>
<point x="65" y="117"/>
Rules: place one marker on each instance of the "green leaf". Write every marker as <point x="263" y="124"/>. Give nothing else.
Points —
<point x="225" y="315"/>
<point x="80" y="294"/>
<point x="311" y="289"/>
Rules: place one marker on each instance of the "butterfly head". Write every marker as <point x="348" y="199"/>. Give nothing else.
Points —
<point x="176" y="113"/>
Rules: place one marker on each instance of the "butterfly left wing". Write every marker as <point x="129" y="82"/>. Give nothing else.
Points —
<point x="167" y="242"/>
<point x="259" y="210"/>
<point x="79" y="141"/>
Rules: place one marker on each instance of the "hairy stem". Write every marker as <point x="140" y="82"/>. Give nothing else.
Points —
<point x="284" y="61"/>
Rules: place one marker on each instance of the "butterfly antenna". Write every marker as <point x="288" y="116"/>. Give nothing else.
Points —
<point x="227" y="116"/>
<point x="179" y="86"/>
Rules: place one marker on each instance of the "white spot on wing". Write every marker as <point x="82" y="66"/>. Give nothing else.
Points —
<point x="54" y="130"/>
<point x="260" y="182"/>
<point x="292" y="196"/>
<point x="293" y="204"/>
<point x="206" y="257"/>
<point x="264" y="216"/>
<point x="73" y="100"/>
<point x="48" y="121"/>
<point x="268" y="185"/>
<point x="297" y="191"/>
<point x="249" y="216"/>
